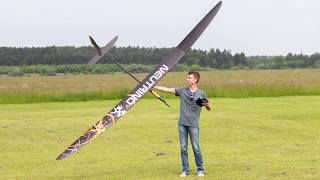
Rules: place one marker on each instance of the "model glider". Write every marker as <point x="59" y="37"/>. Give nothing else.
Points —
<point x="138" y="92"/>
<point x="95" y="59"/>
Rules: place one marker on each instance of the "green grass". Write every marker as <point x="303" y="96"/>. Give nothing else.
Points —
<point x="262" y="91"/>
<point x="225" y="83"/>
<point x="235" y="92"/>
<point x="254" y="138"/>
<point x="15" y="98"/>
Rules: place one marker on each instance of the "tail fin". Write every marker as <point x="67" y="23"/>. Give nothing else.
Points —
<point x="93" y="42"/>
<point x="101" y="51"/>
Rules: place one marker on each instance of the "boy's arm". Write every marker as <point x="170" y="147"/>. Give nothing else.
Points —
<point x="165" y="89"/>
<point x="207" y="105"/>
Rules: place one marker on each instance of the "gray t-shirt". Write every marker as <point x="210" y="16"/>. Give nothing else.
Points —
<point x="189" y="110"/>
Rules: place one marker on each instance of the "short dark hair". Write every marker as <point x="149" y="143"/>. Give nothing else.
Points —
<point x="195" y="74"/>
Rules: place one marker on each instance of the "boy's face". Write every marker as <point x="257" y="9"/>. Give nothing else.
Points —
<point x="191" y="80"/>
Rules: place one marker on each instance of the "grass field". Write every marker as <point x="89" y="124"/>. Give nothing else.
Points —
<point x="248" y="138"/>
<point x="240" y="83"/>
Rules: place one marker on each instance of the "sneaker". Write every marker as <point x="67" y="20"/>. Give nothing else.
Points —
<point x="184" y="174"/>
<point x="200" y="173"/>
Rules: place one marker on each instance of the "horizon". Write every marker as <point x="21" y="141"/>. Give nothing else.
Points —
<point x="229" y="50"/>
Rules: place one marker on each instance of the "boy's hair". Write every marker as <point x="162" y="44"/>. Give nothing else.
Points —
<point x="195" y="74"/>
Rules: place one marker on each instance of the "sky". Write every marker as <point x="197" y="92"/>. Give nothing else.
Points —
<point x="255" y="27"/>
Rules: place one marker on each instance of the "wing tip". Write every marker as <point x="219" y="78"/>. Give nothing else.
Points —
<point x="115" y="39"/>
<point x="220" y="3"/>
<point x="60" y="157"/>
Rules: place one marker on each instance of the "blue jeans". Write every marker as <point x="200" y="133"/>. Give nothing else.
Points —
<point x="194" y="137"/>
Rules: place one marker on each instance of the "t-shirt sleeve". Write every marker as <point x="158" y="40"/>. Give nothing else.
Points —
<point x="204" y="95"/>
<point x="178" y="91"/>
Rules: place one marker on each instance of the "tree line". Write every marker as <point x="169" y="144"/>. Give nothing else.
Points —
<point x="213" y="58"/>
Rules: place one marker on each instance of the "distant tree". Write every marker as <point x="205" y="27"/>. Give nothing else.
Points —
<point x="239" y="59"/>
<point x="214" y="58"/>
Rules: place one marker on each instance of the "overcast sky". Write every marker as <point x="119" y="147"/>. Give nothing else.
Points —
<point x="256" y="27"/>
